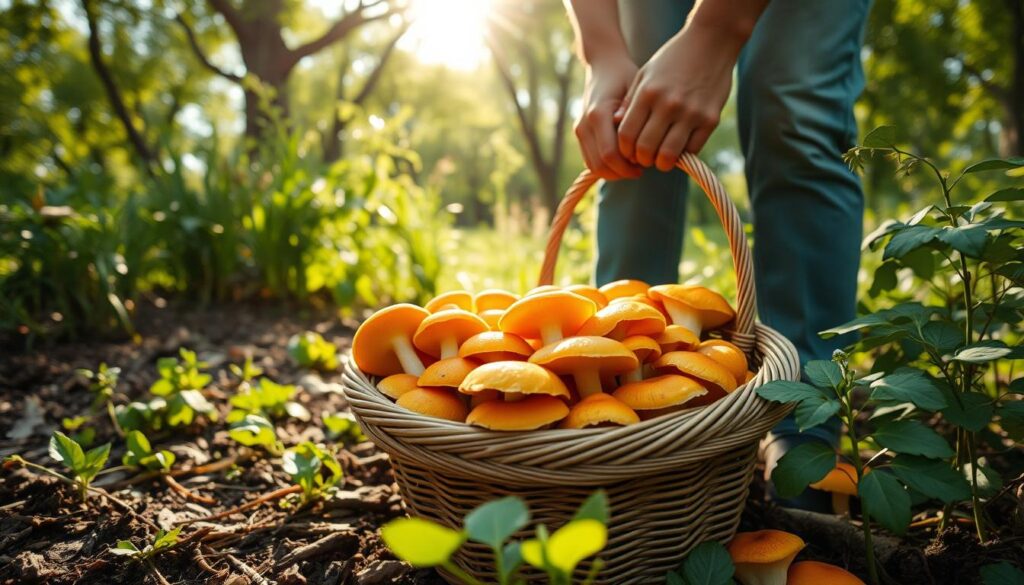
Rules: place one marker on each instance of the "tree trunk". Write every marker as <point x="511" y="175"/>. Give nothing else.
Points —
<point x="1012" y="139"/>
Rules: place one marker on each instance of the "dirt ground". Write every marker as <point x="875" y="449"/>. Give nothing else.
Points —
<point x="47" y="536"/>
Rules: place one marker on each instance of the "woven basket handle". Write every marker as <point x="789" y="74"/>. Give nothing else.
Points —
<point x="746" y="298"/>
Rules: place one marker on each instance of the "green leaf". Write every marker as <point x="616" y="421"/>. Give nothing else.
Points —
<point x="786" y="391"/>
<point x="989" y="480"/>
<point x="166" y="539"/>
<point x="95" y="459"/>
<point x="421" y="543"/>
<point x="982" y="352"/>
<point x="708" y="564"/>
<point x="494" y="522"/>
<point x="1011" y="418"/>
<point x="971" y="410"/>
<point x="968" y="240"/>
<point x="124" y="548"/>
<point x="802" y="466"/>
<point x="511" y="558"/>
<point x="65" y="450"/>
<point x="881" y="137"/>
<point x="943" y="336"/>
<point x="912" y="386"/>
<point x="574" y="542"/>
<point x="254" y="430"/>
<point x="884" y="279"/>
<point x="673" y="578"/>
<point x="994" y="164"/>
<point x="1006" y="195"/>
<point x="595" y="507"/>
<point x="813" y="412"/>
<point x="909" y="239"/>
<point x="912" y="438"/>
<point x="1001" y="573"/>
<point x="824" y="374"/>
<point x="932" y="477"/>
<point x="886" y="500"/>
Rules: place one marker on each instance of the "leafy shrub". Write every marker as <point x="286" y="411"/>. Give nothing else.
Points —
<point x="181" y="384"/>
<point x="268" y="399"/>
<point x="423" y="543"/>
<point x="311" y="350"/>
<point x="254" y="430"/>
<point x="313" y="468"/>
<point x="141" y="454"/>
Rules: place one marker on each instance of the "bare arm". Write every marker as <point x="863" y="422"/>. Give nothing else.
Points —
<point x="596" y="23"/>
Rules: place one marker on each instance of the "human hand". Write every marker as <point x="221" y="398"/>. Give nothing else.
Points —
<point x="606" y="84"/>
<point x="675" y="101"/>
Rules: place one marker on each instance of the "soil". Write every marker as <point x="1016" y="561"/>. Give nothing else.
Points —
<point x="48" y="536"/>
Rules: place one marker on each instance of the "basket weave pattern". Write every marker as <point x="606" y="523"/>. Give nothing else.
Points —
<point x="673" y="481"/>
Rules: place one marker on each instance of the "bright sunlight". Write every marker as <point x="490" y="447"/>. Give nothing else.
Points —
<point x="450" y="32"/>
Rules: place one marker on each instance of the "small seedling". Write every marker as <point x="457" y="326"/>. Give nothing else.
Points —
<point x="141" y="454"/>
<point x="315" y="469"/>
<point x="103" y="384"/>
<point x="254" y="430"/>
<point x="311" y="350"/>
<point x="268" y="399"/>
<point x="246" y="372"/>
<point x="181" y="383"/>
<point x="423" y="543"/>
<point x="83" y="465"/>
<point x="343" y="426"/>
<point x="164" y="540"/>
<point x="82" y="434"/>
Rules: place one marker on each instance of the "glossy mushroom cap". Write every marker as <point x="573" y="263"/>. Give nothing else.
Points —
<point x="677" y="338"/>
<point x="815" y="573"/>
<point x="695" y="307"/>
<point x="492" y="317"/>
<point x="435" y="402"/>
<point x="620" y="320"/>
<point x="383" y="343"/>
<point x="495" y="346"/>
<point x="646" y="349"/>
<point x="585" y="290"/>
<point x="587" y="359"/>
<point x="395" y="385"/>
<point x="440" y="334"/>
<point x="544" y="288"/>
<point x="697" y="366"/>
<point x="763" y="557"/>
<point x="532" y="412"/>
<point x="599" y="410"/>
<point x="514" y="378"/>
<point x="456" y="299"/>
<point x="624" y="288"/>
<point x="447" y="373"/>
<point x="841" y="482"/>
<point x="660" y="392"/>
<point x="548" y="315"/>
<point x="728" y="355"/>
<point x="493" y="299"/>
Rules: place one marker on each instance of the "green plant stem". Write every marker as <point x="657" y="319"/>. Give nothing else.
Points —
<point x="113" y="419"/>
<point x="869" y="547"/>
<point x="460" y="574"/>
<point x="979" y="522"/>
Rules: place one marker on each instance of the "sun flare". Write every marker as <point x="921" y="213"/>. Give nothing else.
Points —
<point x="450" y="32"/>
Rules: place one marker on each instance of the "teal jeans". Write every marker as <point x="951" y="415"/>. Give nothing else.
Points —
<point x="798" y="78"/>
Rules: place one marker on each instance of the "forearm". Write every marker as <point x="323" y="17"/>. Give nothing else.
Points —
<point x="598" y="33"/>
<point x="730" y="22"/>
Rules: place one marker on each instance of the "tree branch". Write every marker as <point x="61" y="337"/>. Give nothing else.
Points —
<point x="529" y="131"/>
<point x="201" y="55"/>
<point x="339" y="30"/>
<point x="113" y="93"/>
<point x="374" y="77"/>
<point x="231" y="15"/>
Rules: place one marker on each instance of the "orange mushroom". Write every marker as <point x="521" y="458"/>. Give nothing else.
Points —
<point x="549" y="316"/>
<point x="586" y="359"/>
<point x="383" y="343"/>
<point x="677" y="338"/>
<point x="436" y="402"/>
<point x="841" y="482"/>
<point x="534" y="396"/>
<point x="585" y="290"/>
<point x="493" y="299"/>
<point x="695" y="307"/>
<point x="456" y="299"/>
<point x="599" y="410"/>
<point x="440" y="334"/>
<point x="620" y="320"/>
<point x="495" y="346"/>
<point x="712" y="375"/>
<point x="395" y="385"/>
<point x="659" y="395"/>
<point x="763" y="557"/>
<point x="815" y="573"/>
<point x="624" y="288"/>
<point x="646" y="350"/>
<point x="726" y="354"/>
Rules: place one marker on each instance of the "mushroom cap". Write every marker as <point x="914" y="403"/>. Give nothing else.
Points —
<point x="659" y="392"/>
<point x="698" y="366"/>
<point x="447" y="373"/>
<point x="435" y="402"/>
<point x="514" y="377"/>
<point x="644" y="348"/>
<point x="532" y="412"/>
<point x="599" y="409"/>
<point x="677" y="338"/>
<point x="639" y="319"/>
<point x="748" y="376"/>
<point x="446" y="324"/>
<point x="371" y="346"/>
<point x="764" y="546"/>
<point x="624" y="288"/>
<point x="525" y="316"/>
<point x="395" y="385"/>
<point x="815" y="573"/>
<point x="591" y="292"/>
<point x="726" y="354"/>
<point x="454" y="299"/>
<point x="542" y="289"/>
<point x="572" y="354"/>
<point x="841" y="480"/>
<point x="642" y="299"/>
<point x="492" y="317"/>
<point x="495" y="346"/>
<point x="712" y="307"/>
<point x="493" y="298"/>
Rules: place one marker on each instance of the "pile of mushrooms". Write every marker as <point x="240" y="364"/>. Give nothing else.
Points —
<point x="765" y="557"/>
<point x="573" y="357"/>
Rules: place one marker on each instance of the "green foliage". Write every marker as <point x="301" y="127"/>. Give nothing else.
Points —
<point x="102" y="383"/>
<point x="313" y="468"/>
<point x="83" y="465"/>
<point x="163" y="541"/>
<point x="343" y="426"/>
<point x="707" y="564"/>
<point x="254" y="430"/>
<point x="141" y="454"/>
<point x="1001" y="573"/>
<point x="267" y="399"/>
<point x="181" y="385"/>
<point x="311" y="350"/>
<point x="423" y="543"/>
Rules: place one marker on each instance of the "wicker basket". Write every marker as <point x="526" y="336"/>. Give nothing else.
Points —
<point x="673" y="481"/>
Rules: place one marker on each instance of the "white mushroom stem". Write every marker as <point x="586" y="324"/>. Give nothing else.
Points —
<point x="588" y="382"/>
<point x="551" y="332"/>
<point x="411" y="363"/>
<point x="449" y="347"/>
<point x="764" y="573"/>
<point x="636" y="375"/>
<point x="683" y="315"/>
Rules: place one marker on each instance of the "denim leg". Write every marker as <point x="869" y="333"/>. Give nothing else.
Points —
<point x="640" y="221"/>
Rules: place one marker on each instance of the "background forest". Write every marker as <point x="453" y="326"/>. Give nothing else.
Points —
<point x="360" y="153"/>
